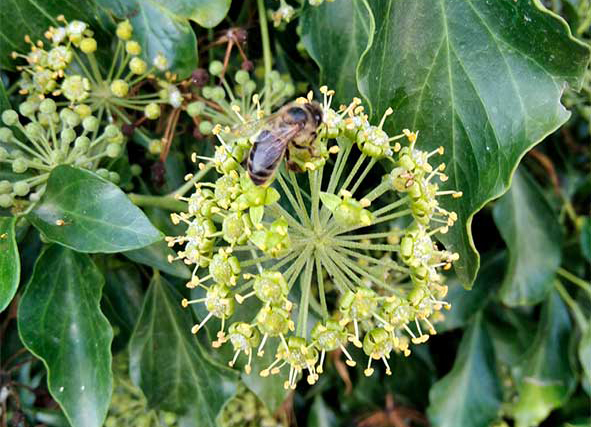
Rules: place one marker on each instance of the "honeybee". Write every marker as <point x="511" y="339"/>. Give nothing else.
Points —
<point x="293" y="127"/>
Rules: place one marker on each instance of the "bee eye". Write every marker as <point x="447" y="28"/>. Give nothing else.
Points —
<point x="318" y="118"/>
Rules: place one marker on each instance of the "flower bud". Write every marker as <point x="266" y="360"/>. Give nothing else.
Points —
<point x="21" y="188"/>
<point x="88" y="45"/>
<point x="47" y="106"/>
<point x="10" y="117"/>
<point x="205" y="127"/>
<point x="20" y="165"/>
<point x="6" y="201"/>
<point x="83" y="110"/>
<point x="27" y="108"/>
<point x="124" y="30"/>
<point x="133" y="48"/>
<point x="114" y="177"/>
<point x="160" y="62"/>
<point x="90" y="124"/>
<point x="195" y="108"/>
<point x="67" y="136"/>
<point x="5" y="187"/>
<point x="138" y="66"/>
<point x="119" y="88"/>
<point x="152" y="111"/>
<point x="6" y="136"/>
<point x="113" y="150"/>
<point x="103" y="173"/>
<point x="241" y="77"/>
<point x="155" y="146"/>
<point x="82" y="143"/>
<point x="216" y="68"/>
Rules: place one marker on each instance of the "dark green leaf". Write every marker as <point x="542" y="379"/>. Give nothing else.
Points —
<point x="162" y="26"/>
<point x="530" y="228"/>
<point x="470" y="395"/>
<point x="10" y="266"/>
<point x="30" y="17"/>
<point x="60" y="322"/>
<point x="122" y="301"/>
<point x="4" y="102"/>
<point x="466" y="303"/>
<point x="156" y="255"/>
<point x="169" y="365"/>
<point x="482" y="78"/>
<point x="84" y="212"/>
<point x="335" y="49"/>
<point x="546" y="379"/>
<point x="321" y="415"/>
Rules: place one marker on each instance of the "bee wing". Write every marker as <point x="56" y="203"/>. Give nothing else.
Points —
<point x="251" y="127"/>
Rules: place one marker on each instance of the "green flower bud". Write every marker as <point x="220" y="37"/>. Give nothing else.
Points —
<point x="27" y="108"/>
<point x="271" y="287"/>
<point x="155" y="146"/>
<point x="5" y="187"/>
<point x="207" y="91"/>
<point x="218" y="94"/>
<point x="124" y="30"/>
<point x="69" y="117"/>
<point x="152" y="111"/>
<point x="103" y="173"/>
<point x="90" y="124"/>
<point x="133" y="48"/>
<point x="205" y="127"/>
<point x="47" y="106"/>
<point x="88" y="45"/>
<point x="113" y="150"/>
<point x="6" y="201"/>
<point x="138" y="66"/>
<point x="195" y="108"/>
<point x="136" y="170"/>
<point x="6" y="136"/>
<point x="21" y="188"/>
<point x="241" y="77"/>
<point x="249" y="87"/>
<point x="224" y="269"/>
<point x="236" y="228"/>
<point x="10" y="117"/>
<point x="83" y="110"/>
<point x="119" y="88"/>
<point x="67" y="136"/>
<point x="76" y="88"/>
<point x="111" y="131"/>
<point x="82" y="143"/>
<point x="3" y="153"/>
<point x="216" y="68"/>
<point x="20" y="165"/>
<point x="34" y="130"/>
<point x="114" y="177"/>
<point x="273" y="321"/>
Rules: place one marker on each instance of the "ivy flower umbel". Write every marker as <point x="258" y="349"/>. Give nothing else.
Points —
<point x="70" y="69"/>
<point x="385" y="282"/>
<point x="43" y="136"/>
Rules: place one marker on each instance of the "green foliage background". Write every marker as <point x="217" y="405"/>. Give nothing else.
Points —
<point x="487" y="80"/>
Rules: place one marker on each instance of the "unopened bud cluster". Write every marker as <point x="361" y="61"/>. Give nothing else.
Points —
<point x="327" y="232"/>
<point x="246" y="410"/>
<point x="42" y="137"/>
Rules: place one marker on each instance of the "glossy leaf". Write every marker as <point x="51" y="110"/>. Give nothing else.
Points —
<point x="337" y="52"/>
<point x="466" y="303"/>
<point x="586" y="238"/>
<point x="546" y="379"/>
<point x="481" y="78"/>
<point x="31" y="17"/>
<point x="86" y="213"/>
<point x="10" y="265"/>
<point x="321" y="415"/>
<point x="60" y="322"/>
<point x="530" y="228"/>
<point x="162" y="26"/>
<point x="169" y="365"/>
<point x="470" y="395"/>
<point x="122" y="300"/>
<point x="155" y="256"/>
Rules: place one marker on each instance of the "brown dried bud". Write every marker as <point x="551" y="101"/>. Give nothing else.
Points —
<point x="247" y="65"/>
<point x="200" y="77"/>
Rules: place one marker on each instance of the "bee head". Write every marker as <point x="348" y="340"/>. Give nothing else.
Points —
<point x="316" y="111"/>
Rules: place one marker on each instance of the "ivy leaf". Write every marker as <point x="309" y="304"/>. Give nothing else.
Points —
<point x="122" y="300"/>
<point x="470" y="395"/>
<point x="584" y="352"/>
<point x="337" y="52"/>
<point x="155" y="256"/>
<point x="481" y="78"/>
<point x="466" y="303"/>
<point x="169" y="365"/>
<point x="33" y="18"/>
<point x="321" y="415"/>
<point x="530" y="228"/>
<point x="10" y="266"/>
<point x="162" y="26"/>
<point x="86" y="213"/>
<point x="586" y="239"/>
<point x="546" y="378"/>
<point x="60" y="322"/>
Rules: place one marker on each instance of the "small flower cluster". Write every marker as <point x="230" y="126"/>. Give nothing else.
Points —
<point x="246" y="410"/>
<point x="43" y="137"/>
<point x="70" y="69"/>
<point x="237" y="100"/>
<point x="286" y="13"/>
<point x="259" y="241"/>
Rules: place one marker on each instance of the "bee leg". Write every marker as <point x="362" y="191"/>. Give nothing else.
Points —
<point x="293" y="166"/>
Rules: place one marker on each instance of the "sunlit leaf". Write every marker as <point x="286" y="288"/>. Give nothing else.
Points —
<point x="9" y="261"/>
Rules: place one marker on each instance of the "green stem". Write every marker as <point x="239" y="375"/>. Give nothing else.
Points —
<point x="266" y="49"/>
<point x="586" y="286"/>
<point x="305" y="285"/>
<point x="577" y="312"/>
<point x="164" y="202"/>
<point x="321" y="293"/>
<point x="183" y="189"/>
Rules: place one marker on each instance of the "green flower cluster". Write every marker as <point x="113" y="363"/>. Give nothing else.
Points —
<point x="44" y="136"/>
<point x="246" y="410"/>
<point x="237" y="100"/>
<point x="69" y="68"/>
<point x="247" y="241"/>
<point x="129" y="407"/>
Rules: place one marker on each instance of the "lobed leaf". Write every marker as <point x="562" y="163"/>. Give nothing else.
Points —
<point x="10" y="266"/>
